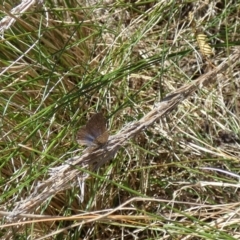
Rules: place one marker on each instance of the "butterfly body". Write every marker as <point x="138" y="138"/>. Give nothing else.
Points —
<point x="95" y="133"/>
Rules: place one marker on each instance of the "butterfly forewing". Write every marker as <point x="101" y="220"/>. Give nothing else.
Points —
<point x="96" y="125"/>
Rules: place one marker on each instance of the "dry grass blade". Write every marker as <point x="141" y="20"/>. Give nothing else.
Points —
<point x="65" y="175"/>
<point x="9" y="20"/>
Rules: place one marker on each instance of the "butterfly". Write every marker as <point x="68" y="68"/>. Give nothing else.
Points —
<point x="95" y="133"/>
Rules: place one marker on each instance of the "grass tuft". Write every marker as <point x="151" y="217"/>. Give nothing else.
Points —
<point x="62" y="62"/>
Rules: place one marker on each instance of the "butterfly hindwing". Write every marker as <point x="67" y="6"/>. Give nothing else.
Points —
<point x="84" y="138"/>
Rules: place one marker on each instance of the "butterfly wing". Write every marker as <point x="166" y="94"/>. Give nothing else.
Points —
<point x="84" y="138"/>
<point x="102" y="139"/>
<point x="95" y="132"/>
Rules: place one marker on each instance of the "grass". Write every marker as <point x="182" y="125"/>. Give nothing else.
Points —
<point x="60" y="66"/>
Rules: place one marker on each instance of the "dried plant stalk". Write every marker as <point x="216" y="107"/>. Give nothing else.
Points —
<point x="9" y="20"/>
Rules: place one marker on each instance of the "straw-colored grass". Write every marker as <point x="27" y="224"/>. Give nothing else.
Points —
<point x="166" y="76"/>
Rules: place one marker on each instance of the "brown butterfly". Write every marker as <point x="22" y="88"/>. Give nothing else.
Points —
<point x="95" y="133"/>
